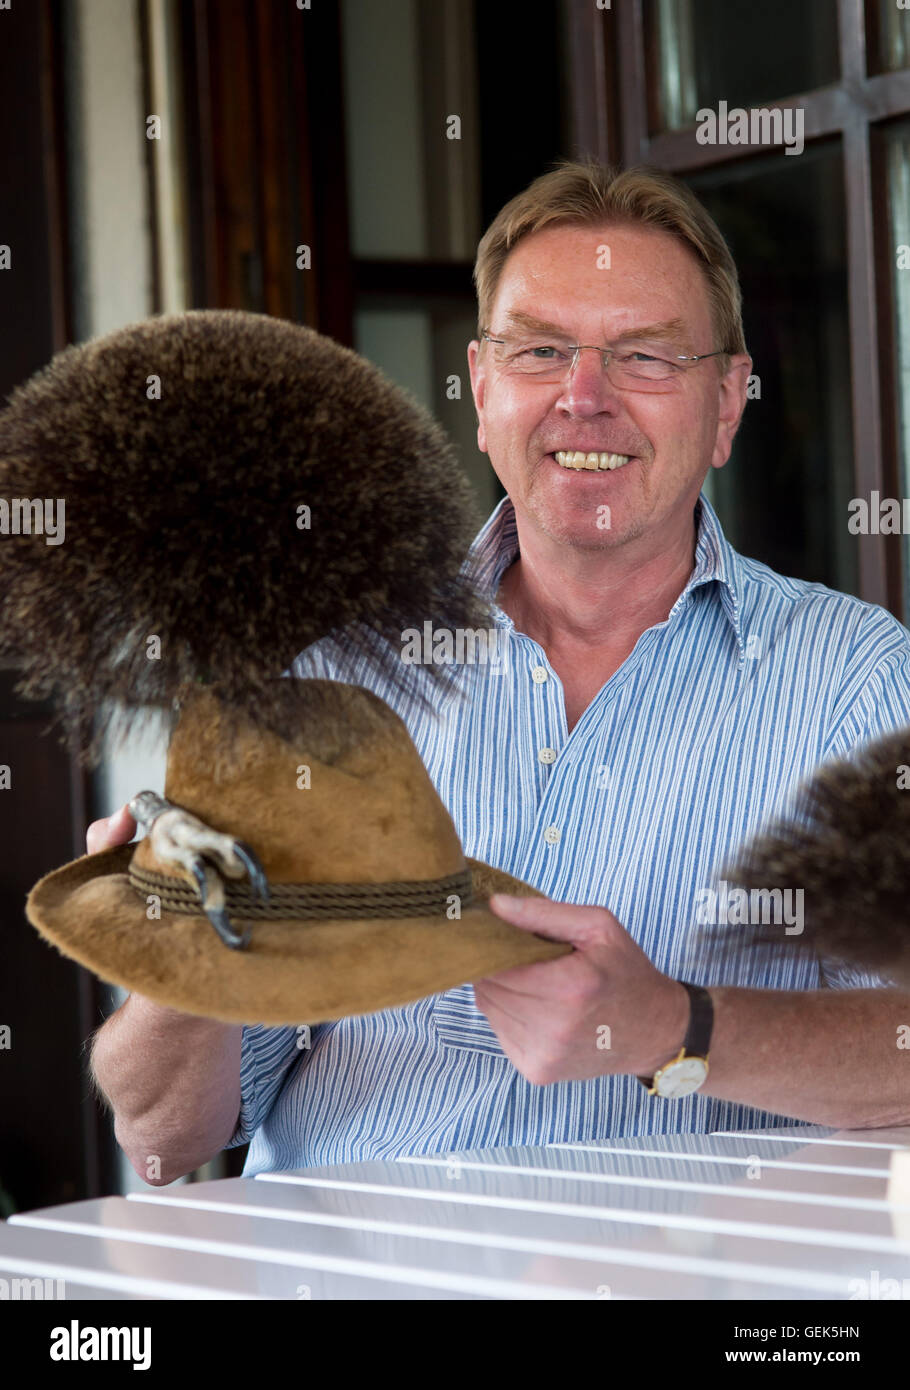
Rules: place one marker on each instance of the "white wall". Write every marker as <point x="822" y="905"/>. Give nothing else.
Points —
<point x="112" y="267"/>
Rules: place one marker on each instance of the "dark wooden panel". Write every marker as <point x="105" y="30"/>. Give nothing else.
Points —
<point x="593" y="92"/>
<point x="55" y="1144"/>
<point x="265" y="158"/>
<point x="235" y="233"/>
<point x="321" y="165"/>
<point x="633" y="88"/>
<point x="441" y="279"/>
<point x="520" y="97"/>
<point x="34" y="308"/>
<point x="889" y="383"/>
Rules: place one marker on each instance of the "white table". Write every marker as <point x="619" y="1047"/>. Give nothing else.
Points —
<point x="798" y="1213"/>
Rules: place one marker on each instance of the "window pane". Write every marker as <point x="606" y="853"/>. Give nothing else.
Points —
<point x="451" y="107"/>
<point x="740" y="52"/>
<point x="899" y="206"/>
<point x="783" y="496"/>
<point x="426" y="351"/>
<point x="385" y="180"/>
<point x="410" y="73"/>
<point x="893" y="35"/>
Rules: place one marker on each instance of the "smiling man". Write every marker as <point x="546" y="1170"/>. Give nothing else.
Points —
<point x="662" y="698"/>
<point x="603" y="450"/>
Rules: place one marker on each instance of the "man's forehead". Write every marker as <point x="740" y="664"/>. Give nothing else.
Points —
<point x="647" y="289"/>
<point x="587" y="237"/>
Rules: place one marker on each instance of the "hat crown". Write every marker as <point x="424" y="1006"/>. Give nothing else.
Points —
<point x="348" y="801"/>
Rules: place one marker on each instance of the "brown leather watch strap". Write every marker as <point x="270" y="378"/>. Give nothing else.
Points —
<point x="701" y="1025"/>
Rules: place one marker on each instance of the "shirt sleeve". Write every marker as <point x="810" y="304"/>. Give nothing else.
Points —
<point x="874" y="701"/>
<point x="267" y="1056"/>
<point x="837" y="974"/>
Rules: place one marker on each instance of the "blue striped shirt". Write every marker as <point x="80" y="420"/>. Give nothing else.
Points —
<point x="700" y="736"/>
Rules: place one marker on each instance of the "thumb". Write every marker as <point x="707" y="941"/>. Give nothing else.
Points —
<point x="580" y="925"/>
<point x="114" y="830"/>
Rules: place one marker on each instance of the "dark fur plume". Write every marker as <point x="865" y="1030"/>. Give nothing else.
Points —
<point x="181" y="515"/>
<point x="851" y="858"/>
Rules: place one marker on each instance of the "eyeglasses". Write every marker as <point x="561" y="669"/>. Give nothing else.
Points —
<point x="640" y="366"/>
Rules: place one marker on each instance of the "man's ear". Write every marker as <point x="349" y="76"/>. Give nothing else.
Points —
<point x="478" y="373"/>
<point x="732" y="389"/>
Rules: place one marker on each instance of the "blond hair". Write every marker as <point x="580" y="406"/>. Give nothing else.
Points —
<point x="588" y="193"/>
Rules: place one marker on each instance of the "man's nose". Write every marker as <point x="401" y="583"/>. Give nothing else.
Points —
<point x="588" y="390"/>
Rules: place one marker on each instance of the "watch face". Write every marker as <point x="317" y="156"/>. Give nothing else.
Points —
<point x="681" y="1078"/>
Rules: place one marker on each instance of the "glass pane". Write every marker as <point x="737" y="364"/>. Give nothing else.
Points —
<point x="894" y="34"/>
<point x="451" y="107"/>
<point x="899" y="208"/>
<point x="385" y="181"/>
<point x="410" y="76"/>
<point x="783" y="496"/>
<point x="426" y="351"/>
<point x="739" y="52"/>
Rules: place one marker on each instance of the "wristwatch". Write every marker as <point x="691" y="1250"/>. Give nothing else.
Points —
<point x="687" y="1071"/>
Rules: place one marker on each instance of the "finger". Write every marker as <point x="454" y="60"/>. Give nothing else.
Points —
<point x="117" y="829"/>
<point x="538" y="980"/>
<point x="512" y="1031"/>
<point x="494" y="1010"/>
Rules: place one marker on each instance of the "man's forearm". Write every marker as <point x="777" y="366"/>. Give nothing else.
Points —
<point x="173" y="1082"/>
<point x="829" y="1057"/>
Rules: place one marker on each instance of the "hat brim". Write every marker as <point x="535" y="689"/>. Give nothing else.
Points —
<point x="293" y="971"/>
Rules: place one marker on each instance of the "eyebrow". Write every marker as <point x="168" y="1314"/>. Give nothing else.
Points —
<point x="674" y="329"/>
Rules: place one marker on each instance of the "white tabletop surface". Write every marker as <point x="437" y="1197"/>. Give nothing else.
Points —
<point x="801" y="1213"/>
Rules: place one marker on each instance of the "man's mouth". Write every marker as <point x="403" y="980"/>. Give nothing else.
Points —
<point x="573" y="458"/>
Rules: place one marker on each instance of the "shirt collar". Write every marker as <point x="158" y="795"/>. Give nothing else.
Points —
<point x="496" y="546"/>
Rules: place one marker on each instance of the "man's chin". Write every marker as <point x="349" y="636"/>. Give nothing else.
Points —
<point x="590" y="522"/>
<point x="604" y="531"/>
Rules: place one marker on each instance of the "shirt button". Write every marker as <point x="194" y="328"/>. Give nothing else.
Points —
<point x="539" y="674"/>
<point x="552" y="834"/>
<point x="547" y="755"/>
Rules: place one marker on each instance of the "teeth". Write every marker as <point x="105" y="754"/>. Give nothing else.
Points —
<point x="569" y="458"/>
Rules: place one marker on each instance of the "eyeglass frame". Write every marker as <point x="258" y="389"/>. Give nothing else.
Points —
<point x="608" y="352"/>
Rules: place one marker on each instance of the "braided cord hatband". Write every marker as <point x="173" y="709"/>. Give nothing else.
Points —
<point x="315" y="901"/>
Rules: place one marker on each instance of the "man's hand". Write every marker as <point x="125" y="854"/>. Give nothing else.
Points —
<point x="603" y="1010"/>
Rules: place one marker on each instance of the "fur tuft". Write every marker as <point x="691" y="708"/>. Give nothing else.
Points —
<point x="181" y="516"/>
<point x="851" y="857"/>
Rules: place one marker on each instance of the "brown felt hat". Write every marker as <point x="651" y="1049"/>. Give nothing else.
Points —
<point x="371" y="902"/>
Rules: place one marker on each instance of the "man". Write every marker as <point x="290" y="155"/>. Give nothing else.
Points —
<point x="662" y="698"/>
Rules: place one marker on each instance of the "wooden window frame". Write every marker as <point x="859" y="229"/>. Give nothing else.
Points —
<point x="611" y="50"/>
